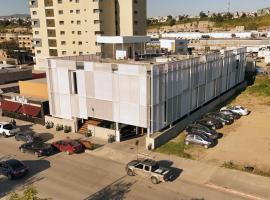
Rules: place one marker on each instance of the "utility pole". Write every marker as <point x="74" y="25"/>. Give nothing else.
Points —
<point x="229" y="6"/>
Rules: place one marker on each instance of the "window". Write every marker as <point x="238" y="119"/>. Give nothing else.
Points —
<point x="73" y="32"/>
<point x="72" y="22"/>
<point x="146" y="168"/>
<point x="61" y="22"/>
<point x="79" y="32"/>
<point x="78" y="22"/>
<point x="78" y="11"/>
<point x="77" y="1"/>
<point x="73" y="42"/>
<point x="71" y="11"/>
<point x="139" y="166"/>
<point x="63" y="42"/>
<point x="60" y="1"/>
<point x="80" y="43"/>
<point x="36" y="32"/>
<point x="34" y="12"/>
<point x="80" y="53"/>
<point x="74" y="52"/>
<point x="62" y="32"/>
<point x="60" y="12"/>
<point x="64" y="52"/>
<point x="75" y="86"/>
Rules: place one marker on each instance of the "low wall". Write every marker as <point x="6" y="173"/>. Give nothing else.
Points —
<point x="64" y="122"/>
<point x="161" y="138"/>
<point x="101" y="133"/>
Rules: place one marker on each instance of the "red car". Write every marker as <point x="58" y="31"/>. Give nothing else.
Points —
<point x="68" y="146"/>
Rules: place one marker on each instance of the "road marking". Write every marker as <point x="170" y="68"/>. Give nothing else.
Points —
<point x="228" y="190"/>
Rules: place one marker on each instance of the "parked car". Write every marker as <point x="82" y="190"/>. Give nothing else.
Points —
<point x="13" y="169"/>
<point x="7" y="129"/>
<point x="201" y="127"/>
<point x="87" y="144"/>
<point x="68" y="146"/>
<point x="225" y="120"/>
<point x="230" y="114"/>
<point x="209" y="134"/>
<point x="27" y="137"/>
<point x="199" y="139"/>
<point x="237" y="109"/>
<point x="149" y="169"/>
<point x="37" y="148"/>
<point x="210" y="123"/>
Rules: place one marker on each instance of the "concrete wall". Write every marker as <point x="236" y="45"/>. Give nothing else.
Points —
<point x="101" y="133"/>
<point x="64" y="122"/>
<point x="161" y="138"/>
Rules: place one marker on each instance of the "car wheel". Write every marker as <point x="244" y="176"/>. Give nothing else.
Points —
<point x="5" y="135"/>
<point x="154" y="180"/>
<point x="130" y="172"/>
<point x="17" y="139"/>
<point x="206" y="146"/>
<point x="36" y="154"/>
<point x="187" y="143"/>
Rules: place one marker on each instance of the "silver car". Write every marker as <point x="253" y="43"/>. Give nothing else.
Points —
<point x="199" y="139"/>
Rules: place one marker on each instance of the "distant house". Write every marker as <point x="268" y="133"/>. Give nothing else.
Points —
<point x="264" y="11"/>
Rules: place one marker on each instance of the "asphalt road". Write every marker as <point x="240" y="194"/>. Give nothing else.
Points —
<point x="83" y="177"/>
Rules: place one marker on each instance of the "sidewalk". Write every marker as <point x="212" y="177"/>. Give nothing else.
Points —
<point x="241" y="183"/>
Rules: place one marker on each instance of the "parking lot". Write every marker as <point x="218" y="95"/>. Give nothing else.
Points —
<point x="246" y="142"/>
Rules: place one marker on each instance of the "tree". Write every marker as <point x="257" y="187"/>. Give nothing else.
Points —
<point x="30" y="193"/>
<point x="203" y="15"/>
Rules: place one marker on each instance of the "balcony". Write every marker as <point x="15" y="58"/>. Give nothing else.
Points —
<point x="33" y="3"/>
<point x="53" y="52"/>
<point x="48" y="3"/>
<point x="35" y="23"/>
<point x="52" y="43"/>
<point x="49" y="13"/>
<point x="50" y="23"/>
<point x="37" y="42"/>
<point x="51" y="33"/>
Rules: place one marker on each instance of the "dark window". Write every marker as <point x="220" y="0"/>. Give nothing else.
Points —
<point x="75" y="83"/>
<point x="139" y="166"/>
<point x="147" y="168"/>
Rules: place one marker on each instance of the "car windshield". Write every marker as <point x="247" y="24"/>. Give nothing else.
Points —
<point x="8" y="127"/>
<point x="203" y="137"/>
<point x="155" y="167"/>
<point x="14" y="164"/>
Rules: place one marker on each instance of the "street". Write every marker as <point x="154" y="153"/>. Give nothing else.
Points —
<point x="88" y="177"/>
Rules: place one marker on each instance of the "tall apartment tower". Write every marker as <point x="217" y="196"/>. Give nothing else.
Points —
<point x="70" y="27"/>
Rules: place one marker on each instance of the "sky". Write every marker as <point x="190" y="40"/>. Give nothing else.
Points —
<point x="161" y="7"/>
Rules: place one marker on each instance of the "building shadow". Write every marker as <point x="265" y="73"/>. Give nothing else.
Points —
<point x="116" y="191"/>
<point x="34" y="166"/>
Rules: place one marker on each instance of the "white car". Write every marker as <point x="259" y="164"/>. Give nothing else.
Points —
<point x="237" y="109"/>
<point x="7" y="129"/>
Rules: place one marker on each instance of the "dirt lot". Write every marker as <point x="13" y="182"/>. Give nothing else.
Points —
<point x="247" y="141"/>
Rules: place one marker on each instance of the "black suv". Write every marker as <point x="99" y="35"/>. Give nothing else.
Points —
<point x="37" y="148"/>
<point x="210" y="123"/>
<point x="218" y="116"/>
<point x="13" y="169"/>
<point x="199" y="129"/>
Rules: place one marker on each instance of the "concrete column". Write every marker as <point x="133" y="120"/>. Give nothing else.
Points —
<point x="117" y="132"/>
